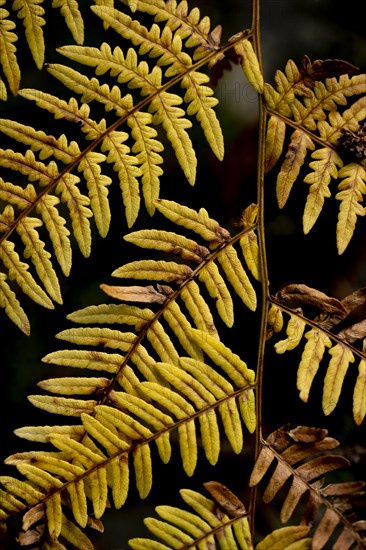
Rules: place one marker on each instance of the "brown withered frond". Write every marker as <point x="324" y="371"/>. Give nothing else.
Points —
<point x="301" y="457"/>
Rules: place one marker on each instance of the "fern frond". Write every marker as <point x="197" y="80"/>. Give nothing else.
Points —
<point x="200" y="525"/>
<point x="122" y="415"/>
<point x="51" y="218"/>
<point x="301" y="456"/>
<point x="218" y="239"/>
<point x="324" y="168"/>
<point x="8" y="58"/>
<point x="164" y="106"/>
<point x="275" y="138"/>
<point x="359" y="395"/>
<point x="292" y="537"/>
<point x="12" y="307"/>
<point x="317" y="109"/>
<point x="351" y="191"/>
<point x="70" y="11"/>
<point x="187" y="24"/>
<point x="295" y="330"/>
<point x="31" y="12"/>
<point x="313" y="353"/>
<point x="86" y="467"/>
<point x="108" y="143"/>
<point x="222" y="521"/>
<point x="18" y="271"/>
<point x="250" y="64"/>
<point x="168" y="48"/>
<point x="294" y="159"/>
<point x="319" y="338"/>
<point x="249" y="240"/>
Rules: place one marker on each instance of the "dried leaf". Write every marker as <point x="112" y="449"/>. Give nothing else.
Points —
<point x="320" y="69"/>
<point x="354" y="332"/>
<point x="302" y="294"/>
<point x="227" y="500"/>
<point x="33" y="515"/>
<point x="304" y="434"/>
<point x="145" y="294"/>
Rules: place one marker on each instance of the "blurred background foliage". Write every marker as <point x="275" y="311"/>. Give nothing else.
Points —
<point x="289" y="29"/>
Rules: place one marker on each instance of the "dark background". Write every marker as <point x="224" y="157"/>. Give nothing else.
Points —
<point x="290" y="29"/>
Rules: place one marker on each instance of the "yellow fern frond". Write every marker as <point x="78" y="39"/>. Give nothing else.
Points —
<point x="156" y="271"/>
<point x="318" y="106"/>
<point x="63" y="406"/>
<point x="209" y="522"/>
<point x="41" y="433"/>
<point x="313" y="353"/>
<point x="275" y="318"/>
<point x="164" y="105"/>
<point x="281" y="98"/>
<point x="294" y="159"/>
<point x="77" y="204"/>
<point x="187" y="24"/>
<point x="333" y="381"/>
<point x="351" y="191"/>
<point x="359" y="394"/>
<point x="181" y="327"/>
<point x="237" y="276"/>
<point x="250" y="64"/>
<point x="3" y="92"/>
<point x="18" y="271"/>
<point x="167" y="241"/>
<point x="46" y="207"/>
<point x="35" y="249"/>
<point x="199" y="222"/>
<point x="324" y="168"/>
<point x="175" y="393"/>
<point x="168" y="48"/>
<point x="32" y="14"/>
<point x="319" y="337"/>
<point x="208" y="272"/>
<point x="275" y="137"/>
<point x="12" y="307"/>
<point x="8" y="58"/>
<point x="218" y="290"/>
<point x="69" y="9"/>
<point x="198" y="308"/>
<point x="249" y="240"/>
<point x="74" y="535"/>
<point x="66" y="187"/>
<point x="295" y="329"/>
<point x="290" y="537"/>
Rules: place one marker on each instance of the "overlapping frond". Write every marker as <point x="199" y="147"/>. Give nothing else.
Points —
<point x="221" y="522"/>
<point x="318" y="109"/>
<point x="77" y="173"/>
<point x="163" y="376"/>
<point x="322" y="334"/>
<point x="296" y="461"/>
<point x="89" y="467"/>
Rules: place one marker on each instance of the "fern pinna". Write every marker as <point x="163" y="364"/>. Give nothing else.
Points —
<point x="155" y="368"/>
